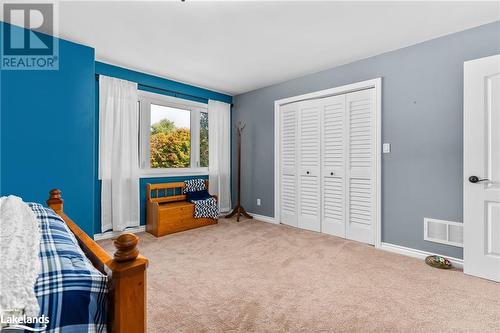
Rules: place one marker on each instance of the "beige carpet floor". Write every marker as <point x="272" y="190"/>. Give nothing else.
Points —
<point x="259" y="277"/>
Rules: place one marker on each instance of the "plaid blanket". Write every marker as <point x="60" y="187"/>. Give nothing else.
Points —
<point x="70" y="291"/>
<point x="206" y="208"/>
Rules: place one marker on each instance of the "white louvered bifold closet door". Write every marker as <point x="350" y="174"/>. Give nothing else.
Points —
<point x="288" y="172"/>
<point x="333" y="152"/>
<point x="361" y="162"/>
<point x="309" y="138"/>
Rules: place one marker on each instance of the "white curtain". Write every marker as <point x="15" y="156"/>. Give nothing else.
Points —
<point x="118" y="153"/>
<point x="219" y="154"/>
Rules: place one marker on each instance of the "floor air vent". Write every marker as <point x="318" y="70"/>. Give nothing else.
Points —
<point x="444" y="232"/>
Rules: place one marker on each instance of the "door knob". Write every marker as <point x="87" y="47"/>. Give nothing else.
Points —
<point x="476" y="179"/>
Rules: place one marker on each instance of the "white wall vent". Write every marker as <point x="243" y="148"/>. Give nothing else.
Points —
<point x="444" y="232"/>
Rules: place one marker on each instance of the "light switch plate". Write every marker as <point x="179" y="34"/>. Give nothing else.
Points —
<point x="258" y="202"/>
<point x="386" y="148"/>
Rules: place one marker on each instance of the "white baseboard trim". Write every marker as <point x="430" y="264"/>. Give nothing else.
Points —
<point x="112" y="234"/>
<point x="407" y="251"/>
<point x="264" y="218"/>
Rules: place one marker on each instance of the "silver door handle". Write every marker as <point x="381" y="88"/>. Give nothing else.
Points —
<point x="476" y="179"/>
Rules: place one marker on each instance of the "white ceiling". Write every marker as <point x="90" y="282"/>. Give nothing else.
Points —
<point x="235" y="47"/>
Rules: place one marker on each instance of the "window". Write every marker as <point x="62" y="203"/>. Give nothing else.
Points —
<point x="173" y="135"/>
<point x="170" y="137"/>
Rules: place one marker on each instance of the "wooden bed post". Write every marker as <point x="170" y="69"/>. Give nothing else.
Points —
<point x="55" y="201"/>
<point x="126" y="272"/>
<point x="128" y="286"/>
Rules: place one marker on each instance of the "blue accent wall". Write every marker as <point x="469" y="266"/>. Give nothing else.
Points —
<point x="157" y="85"/>
<point x="48" y="132"/>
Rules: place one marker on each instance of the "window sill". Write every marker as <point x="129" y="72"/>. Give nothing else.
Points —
<point x="152" y="173"/>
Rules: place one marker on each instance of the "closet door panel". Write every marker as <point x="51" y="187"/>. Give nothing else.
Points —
<point x="360" y="170"/>
<point x="309" y="165"/>
<point x="288" y="172"/>
<point x="333" y="152"/>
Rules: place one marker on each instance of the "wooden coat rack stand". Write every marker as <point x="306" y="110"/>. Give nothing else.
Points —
<point x="239" y="210"/>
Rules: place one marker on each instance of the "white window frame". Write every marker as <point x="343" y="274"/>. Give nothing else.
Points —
<point x="145" y="100"/>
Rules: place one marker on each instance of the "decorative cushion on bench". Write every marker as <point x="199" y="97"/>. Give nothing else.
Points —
<point x="194" y="185"/>
<point x="197" y="195"/>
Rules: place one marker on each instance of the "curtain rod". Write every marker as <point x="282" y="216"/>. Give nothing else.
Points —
<point x="175" y="93"/>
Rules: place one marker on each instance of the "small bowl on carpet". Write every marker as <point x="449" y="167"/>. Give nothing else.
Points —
<point x="438" y="262"/>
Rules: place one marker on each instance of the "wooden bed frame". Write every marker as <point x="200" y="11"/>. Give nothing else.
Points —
<point x="126" y="272"/>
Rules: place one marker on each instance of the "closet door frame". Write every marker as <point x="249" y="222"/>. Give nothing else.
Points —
<point x="368" y="84"/>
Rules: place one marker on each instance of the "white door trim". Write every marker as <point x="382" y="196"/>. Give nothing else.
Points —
<point x="374" y="83"/>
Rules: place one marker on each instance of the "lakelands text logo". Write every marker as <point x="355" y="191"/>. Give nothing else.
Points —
<point x="27" y="37"/>
<point x="15" y="320"/>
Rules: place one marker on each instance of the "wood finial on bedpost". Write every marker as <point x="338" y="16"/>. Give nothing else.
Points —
<point x="55" y="201"/>
<point x="128" y="286"/>
<point x="126" y="247"/>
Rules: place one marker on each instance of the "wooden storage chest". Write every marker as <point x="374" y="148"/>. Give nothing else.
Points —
<point x="170" y="213"/>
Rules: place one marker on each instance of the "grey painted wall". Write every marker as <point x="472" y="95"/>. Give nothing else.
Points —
<point x="421" y="117"/>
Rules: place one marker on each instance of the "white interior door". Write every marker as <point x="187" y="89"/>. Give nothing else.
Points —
<point x="309" y="165"/>
<point x="361" y="173"/>
<point x="333" y="152"/>
<point x="482" y="167"/>
<point x="288" y="164"/>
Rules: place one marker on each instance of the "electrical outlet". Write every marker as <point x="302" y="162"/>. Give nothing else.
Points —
<point x="258" y="202"/>
<point x="386" y="148"/>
